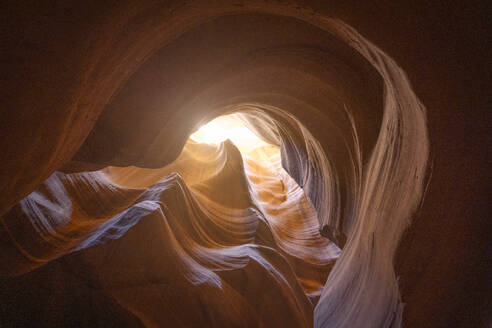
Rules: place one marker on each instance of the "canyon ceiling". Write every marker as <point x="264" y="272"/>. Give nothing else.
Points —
<point x="364" y="204"/>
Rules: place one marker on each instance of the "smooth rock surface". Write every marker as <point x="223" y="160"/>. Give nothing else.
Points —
<point x="384" y="127"/>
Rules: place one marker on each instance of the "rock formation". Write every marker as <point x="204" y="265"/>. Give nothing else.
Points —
<point x="112" y="216"/>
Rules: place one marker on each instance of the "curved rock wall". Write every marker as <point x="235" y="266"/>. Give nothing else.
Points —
<point x="212" y="246"/>
<point x="126" y="83"/>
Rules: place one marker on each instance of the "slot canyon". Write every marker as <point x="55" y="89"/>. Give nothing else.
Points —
<point x="245" y="164"/>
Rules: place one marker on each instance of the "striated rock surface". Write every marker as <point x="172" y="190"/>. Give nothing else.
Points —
<point x="372" y="212"/>
<point x="203" y="241"/>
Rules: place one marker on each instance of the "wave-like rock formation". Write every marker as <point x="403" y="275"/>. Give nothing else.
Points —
<point x="111" y="215"/>
<point x="202" y="233"/>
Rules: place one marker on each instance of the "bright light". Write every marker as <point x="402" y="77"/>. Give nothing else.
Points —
<point x="228" y="127"/>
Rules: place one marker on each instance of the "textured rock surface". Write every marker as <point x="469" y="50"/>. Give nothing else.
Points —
<point x="88" y="85"/>
<point x="183" y="250"/>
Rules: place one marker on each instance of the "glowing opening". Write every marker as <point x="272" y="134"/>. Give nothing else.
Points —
<point x="229" y="127"/>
